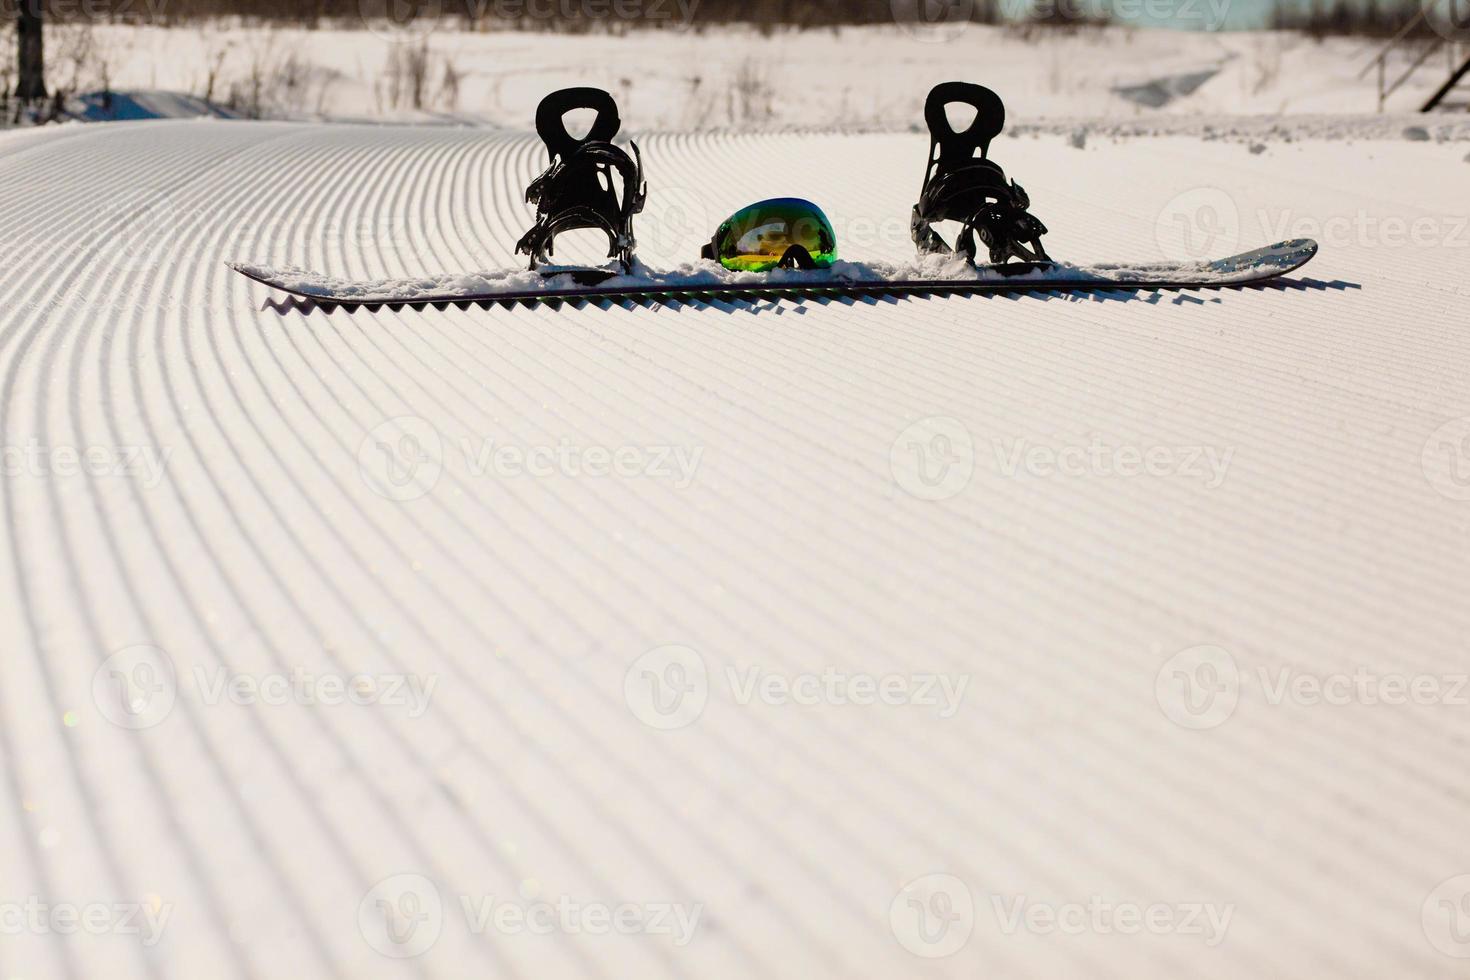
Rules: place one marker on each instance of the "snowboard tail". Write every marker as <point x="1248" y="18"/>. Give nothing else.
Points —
<point x="843" y="280"/>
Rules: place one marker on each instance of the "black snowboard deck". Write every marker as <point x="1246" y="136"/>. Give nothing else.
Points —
<point x="1246" y="269"/>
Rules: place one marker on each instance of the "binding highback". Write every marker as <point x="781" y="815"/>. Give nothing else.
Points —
<point x="957" y="149"/>
<point x="551" y="124"/>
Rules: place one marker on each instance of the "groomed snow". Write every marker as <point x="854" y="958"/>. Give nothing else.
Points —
<point x="903" y="488"/>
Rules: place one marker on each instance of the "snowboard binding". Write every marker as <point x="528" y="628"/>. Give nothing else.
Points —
<point x="959" y="186"/>
<point x="577" y="190"/>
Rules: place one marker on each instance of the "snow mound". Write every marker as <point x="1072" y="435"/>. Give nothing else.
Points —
<point x="109" y="106"/>
<point x="1160" y="92"/>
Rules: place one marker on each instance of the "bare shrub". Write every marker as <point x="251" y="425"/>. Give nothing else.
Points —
<point x="278" y="81"/>
<point x="74" y="58"/>
<point x="449" y="86"/>
<point x="415" y="60"/>
<point x="1265" y="64"/>
<point x="406" y="76"/>
<point x="407" y="79"/>
<point x="247" y="96"/>
<point x="8" y="73"/>
<point x="211" y="77"/>
<point x="292" y="82"/>
<point x="752" y="96"/>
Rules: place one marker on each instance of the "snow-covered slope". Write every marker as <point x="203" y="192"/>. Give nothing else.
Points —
<point x="209" y="492"/>
<point x="734" y="78"/>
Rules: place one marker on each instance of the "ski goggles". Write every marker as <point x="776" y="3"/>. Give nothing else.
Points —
<point x="784" y="232"/>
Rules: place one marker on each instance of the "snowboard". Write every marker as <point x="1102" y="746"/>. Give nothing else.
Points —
<point x="707" y="281"/>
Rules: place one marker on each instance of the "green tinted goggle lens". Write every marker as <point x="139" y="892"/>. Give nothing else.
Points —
<point x="757" y="238"/>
